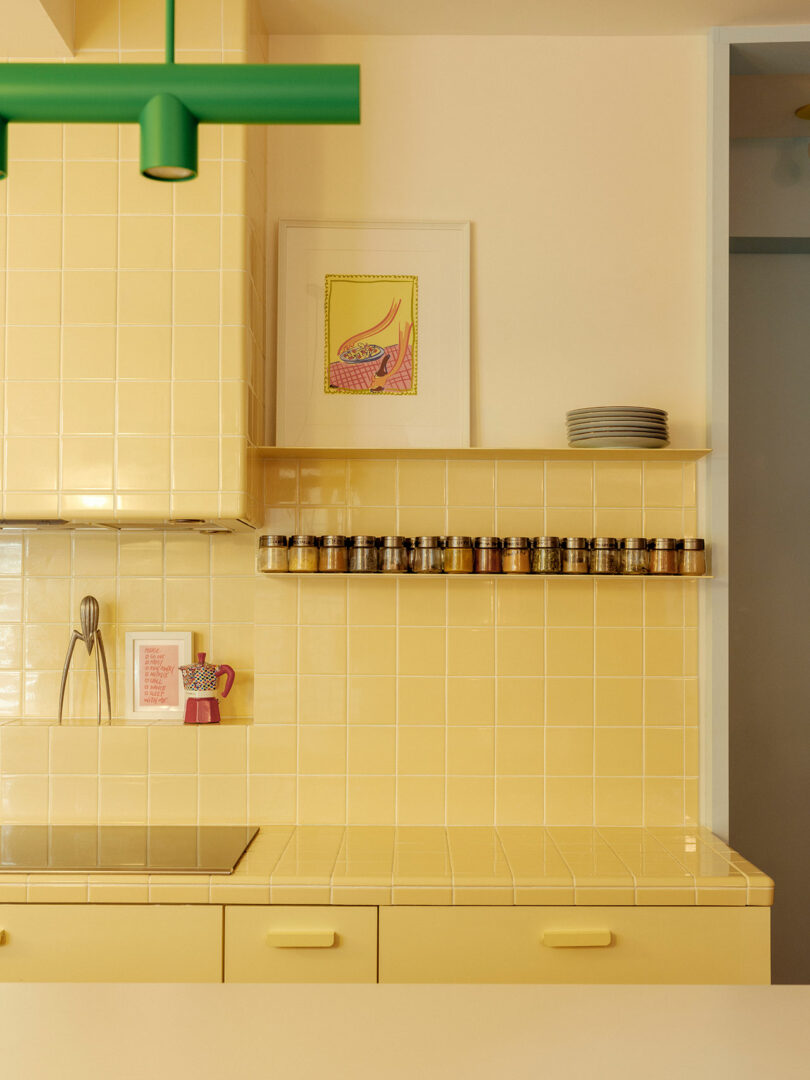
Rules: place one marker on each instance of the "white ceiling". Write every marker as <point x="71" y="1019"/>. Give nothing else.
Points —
<point x="563" y="17"/>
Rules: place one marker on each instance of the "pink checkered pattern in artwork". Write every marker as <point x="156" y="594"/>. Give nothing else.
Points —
<point x="360" y="376"/>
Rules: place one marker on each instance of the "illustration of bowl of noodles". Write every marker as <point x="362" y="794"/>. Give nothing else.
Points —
<point x="361" y="353"/>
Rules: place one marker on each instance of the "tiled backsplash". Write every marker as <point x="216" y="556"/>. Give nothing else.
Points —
<point x="457" y="700"/>
<point x="480" y="700"/>
<point x="376" y="700"/>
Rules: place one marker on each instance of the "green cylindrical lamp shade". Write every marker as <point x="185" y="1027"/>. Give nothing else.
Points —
<point x="168" y="139"/>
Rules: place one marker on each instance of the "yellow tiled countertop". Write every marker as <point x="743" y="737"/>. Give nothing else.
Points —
<point x="365" y="864"/>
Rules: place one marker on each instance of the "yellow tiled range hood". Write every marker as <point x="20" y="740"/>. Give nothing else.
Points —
<point x="133" y="374"/>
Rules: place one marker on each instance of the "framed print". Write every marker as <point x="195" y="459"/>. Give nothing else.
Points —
<point x="154" y="684"/>
<point x="373" y="335"/>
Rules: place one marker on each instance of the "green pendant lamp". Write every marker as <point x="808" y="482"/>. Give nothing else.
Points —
<point x="169" y="100"/>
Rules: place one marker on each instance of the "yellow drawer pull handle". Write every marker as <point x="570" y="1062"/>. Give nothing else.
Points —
<point x="2" y="937"/>
<point x="577" y="939"/>
<point x="301" y="939"/>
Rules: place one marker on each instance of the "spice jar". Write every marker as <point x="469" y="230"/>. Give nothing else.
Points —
<point x="516" y="557"/>
<point x="303" y="554"/>
<point x="604" y="555"/>
<point x="633" y="557"/>
<point x="575" y="556"/>
<point x="692" y="556"/>
<point x="458" y="555"/>
<point x="334" y="555"/>
<point x="393" y="556"/>
<point x="663" y="555"/>
<point x="410" y="547"/>
<point x="546" y="555"/>
<point x="363" y="555"/>
<point x="487" y="554"/>
<point x="272" y="558"/>
<point x="426" y="555"/>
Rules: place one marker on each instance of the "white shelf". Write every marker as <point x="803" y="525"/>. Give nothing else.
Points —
<point x="481" y="453"/>
<point x="503" y="577"/>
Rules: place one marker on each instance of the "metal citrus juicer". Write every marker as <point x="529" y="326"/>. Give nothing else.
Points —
<point x="200" y="684"/>
<point x="90" y="636"/>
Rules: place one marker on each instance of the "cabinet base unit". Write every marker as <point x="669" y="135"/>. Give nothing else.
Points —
<point x="300" y="944"/>
<point x="575" y="945"/>
<point x="110" y="943"/>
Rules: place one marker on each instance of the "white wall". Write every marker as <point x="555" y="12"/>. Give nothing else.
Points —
<point x="581" y="163"/>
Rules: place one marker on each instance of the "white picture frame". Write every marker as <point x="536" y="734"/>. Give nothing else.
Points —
<point x="153" y="681"/>
<point x="433" y="410"/>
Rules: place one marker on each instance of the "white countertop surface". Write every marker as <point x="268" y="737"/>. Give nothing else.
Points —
<point x="212" y="1032"/>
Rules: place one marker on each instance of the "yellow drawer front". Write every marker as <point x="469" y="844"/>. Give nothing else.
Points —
<point x="575" y="945"/>
<point x="300" y="944"/>
<point x="110" y="943"/>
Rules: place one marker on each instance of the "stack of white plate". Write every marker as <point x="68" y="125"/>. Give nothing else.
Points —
<point x="619" y="426"/>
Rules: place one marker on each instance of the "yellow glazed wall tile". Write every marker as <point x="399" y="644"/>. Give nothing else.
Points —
<point x="323" y="602"/>
<point x="145" y="243"/>
<point x="88" y="352"/>
<point x="371" y="800"/>
<point x="32" y="463"/>
<point x="519" y="483"/>
<point x="663" y="652"/>
<point x="23" y="750"/>
<point x="421" y="750"/>
<point x="421" y="651"/>
<point x="569" y="752"/>
<point x="471" y="483"/>
<point x="569" y="603"/>
<point x="91" y="187"/>
<point x="122" y="799"/>
<point x="663" y="800"/>
<point x="34" y="243"/>
<point x="663" y="483"/>
<point x="618" y="652"/>
<point x="470" y="800"/>
<point x="372" y="483"/>
<point x="91" y="142"/>
<point x="197" y="243"/>
<point x="24" y="798"/>
<point x="618" y="801"/>
<point x="569" y="652"/>
<point x="663" y="702"/>
<point x="569" y="483"/>
<point x="520" y="603"/>
<point x="33" y="408"/>
<point x="470" y="751"/>
<point x="420" y="800"/>
<point x="90" y="242"/>
<point x="519" y="750"/>
<point x="663" y="523"/>
<point x="321" y="799"/>
<point x="272" y="748"/>
<point x="32" y="352"/>
<point x="322" y="699"/>
<point x="520" y="700"/>
<point x="470" y="602"/>
<point x="421" y="700"/>
<point x="322" y="482"/>
<point x="371" y="654"/>
<point x="223" y="750"/>
<point x="617" y="484"/>
<point x="619" y="751"/>
<point x="223" y="800"/>
<point x="569" y="801"/>
<point x="372" y="749"/>
<point x="372" y="699"/>
<point x="470" y="701"/>
<point x="619" y="603"/>
<point x="619" y="701"/>
<point x="123" y="751"/>
<point x="35" y="188"/>
<point x="519" y="800"/>
<point x="664" y="752"/>
<point x="88" y="408"/>
<point x="664" y="603"/>
<point x="519" y="652"/>
<point x="322" y="749"/>
<point x="470" y="652"/>
<point x="143" y="464"/>
<point x="145" y="352"/>
<point x="74" y="799"/>
<point x="424" y="605"/>
<point x="569" y="702"/>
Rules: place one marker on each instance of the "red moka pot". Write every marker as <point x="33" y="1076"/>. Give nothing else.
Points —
<point x="200" y="683"/>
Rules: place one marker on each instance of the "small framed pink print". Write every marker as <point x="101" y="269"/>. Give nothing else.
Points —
<point x="154" y="683"/>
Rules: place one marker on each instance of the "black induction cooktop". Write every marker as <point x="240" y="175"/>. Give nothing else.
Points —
<point x="137" y="849"/>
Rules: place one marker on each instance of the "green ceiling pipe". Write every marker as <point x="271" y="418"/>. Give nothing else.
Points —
<point x="169" y="100"/>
